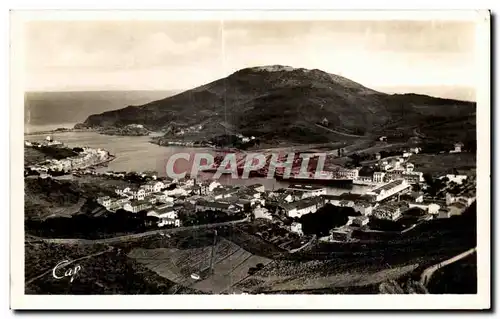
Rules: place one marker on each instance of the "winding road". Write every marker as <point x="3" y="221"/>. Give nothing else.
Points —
<point x="125" y="238"/>
<point x="428" y="272"/>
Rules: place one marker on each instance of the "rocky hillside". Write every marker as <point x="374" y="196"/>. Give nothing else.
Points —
<point x="280" y="102"/>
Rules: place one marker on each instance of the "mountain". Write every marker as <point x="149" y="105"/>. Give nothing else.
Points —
<point x="284" y="103"/>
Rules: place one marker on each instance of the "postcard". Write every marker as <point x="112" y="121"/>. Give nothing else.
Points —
<point x="250" y="160"/>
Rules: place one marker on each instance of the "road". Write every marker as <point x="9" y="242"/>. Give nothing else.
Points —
<point x="337" y="132"/>
<point x="125" y="238"/>
<point x="428" y="272"/>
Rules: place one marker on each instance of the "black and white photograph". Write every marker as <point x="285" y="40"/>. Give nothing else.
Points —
<point x="247" y="154"/>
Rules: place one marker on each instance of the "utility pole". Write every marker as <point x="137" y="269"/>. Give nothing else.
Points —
<point x="212" y="257"/>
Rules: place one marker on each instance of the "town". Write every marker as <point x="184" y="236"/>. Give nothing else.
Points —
<point x="397" y="198"/>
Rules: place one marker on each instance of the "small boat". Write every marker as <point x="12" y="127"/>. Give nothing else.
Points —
<point x="195" y="276"/>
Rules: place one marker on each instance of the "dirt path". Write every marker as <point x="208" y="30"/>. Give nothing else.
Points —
<point x="428" y="272"/>
<point x="337" y="132"/>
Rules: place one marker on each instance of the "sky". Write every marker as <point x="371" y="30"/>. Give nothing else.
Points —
<point x="432" y="57"/>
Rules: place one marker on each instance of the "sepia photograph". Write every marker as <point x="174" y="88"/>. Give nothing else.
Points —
<point x="251" y="153"/>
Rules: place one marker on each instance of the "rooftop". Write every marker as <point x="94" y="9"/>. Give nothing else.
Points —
<point x="305" y="187"/>
<point x="214" y="204"/>
<point x="388" y="186"/>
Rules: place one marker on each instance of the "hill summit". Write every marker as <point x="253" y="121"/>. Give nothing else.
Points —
<point x="284" y="103"/>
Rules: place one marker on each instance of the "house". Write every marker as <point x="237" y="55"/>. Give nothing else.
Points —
<point x="468" y="199"/>
<point x="457" y="208"/>
<point x="365" y="179"/>
<point x="258" y="187"/>
<point x="346" y="203"/>
<point x="104" y="201"/>
<point x="410" y="167"/>
<point x="152" y="199"/>
<point x="361" y="221"/>
<point x="363" y="207"/>
<point x="383" y="138"/>
<point x="213" y="185"/>
<point x="154" y="186"/>
<point x="444" y="213"/>
<point x="248" y="192"/>
<point x="348" y="173"/>
<point x="378" y="177"/>
<point x="118" y="202"/>
<point x="302" y="207"/>
<point x="166" y="215"/>
<point x="415" y="150"/>
<point x="136" y="206"/>
<point x="416" y="197"/>
<point x="458" y="148"/>
<point x="223" y="192"/>
<point x="122" y="190"/>
<point x="378" y="156"/>
<point x="387" y="211"/>
<point x="216" y="206"/>
<point x="296" y="228"/>
<point x="261" y="212"/>
<point x="407" y="154"/>
<point x="459" y="179"/>
<point x="135" y="192"/>
<point x="162" y="197"/>
<point x="340" y="234"/>
<point x="430" y="208"/>
<point x="178" y="191"/>
<point x="308" y="190"/>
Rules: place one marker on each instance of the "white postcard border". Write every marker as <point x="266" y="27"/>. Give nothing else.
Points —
<point x="481" y="300"/>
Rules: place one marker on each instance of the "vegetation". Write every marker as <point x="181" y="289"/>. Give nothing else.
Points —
<point x="326" y="218"/>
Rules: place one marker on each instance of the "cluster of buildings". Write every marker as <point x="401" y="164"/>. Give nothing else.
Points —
<point x="85" y="158"/>
<point x="163" y="200"/>
<point x="388" y="169"/>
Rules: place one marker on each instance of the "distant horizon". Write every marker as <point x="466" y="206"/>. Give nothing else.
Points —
<point x="151" y="55"/>
<point x="468" y="91"/>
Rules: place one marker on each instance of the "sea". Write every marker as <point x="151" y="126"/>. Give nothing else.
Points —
<point x="52" y="110"/>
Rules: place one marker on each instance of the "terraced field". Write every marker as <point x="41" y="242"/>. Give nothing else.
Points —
<point x="231" y="265"/>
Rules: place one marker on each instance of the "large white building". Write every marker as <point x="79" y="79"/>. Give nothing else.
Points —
<point x="389" y="189"/>
<point x="302" y="207"/>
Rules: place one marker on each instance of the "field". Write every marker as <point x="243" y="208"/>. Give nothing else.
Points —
<point x="231" y="264"/>
<point x="441" y="164"/>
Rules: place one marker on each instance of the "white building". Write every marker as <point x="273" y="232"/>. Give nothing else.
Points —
<point x="363" y="207"/>
<point x="430" y="208"/>
<point x="302" y="207"/>
<point x="348" y="173"/>
<point x="154" y="186"/>
<point x="459" y="179"/>
<point x="104" y="201"/>
<point x="216" y="206"/>
<point x="309" y="190"/>
<point x="166" y="215"/>
<point x="261" y="212"/>
<point x="378" y="177"/>
<point x="297" y="228"/>
<point x="389" y="212"/>
<point x="361" y="221"/>
<point x="458" y="148"/>
<point x="136" y="206"/>
<point x="389" y="189"/>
